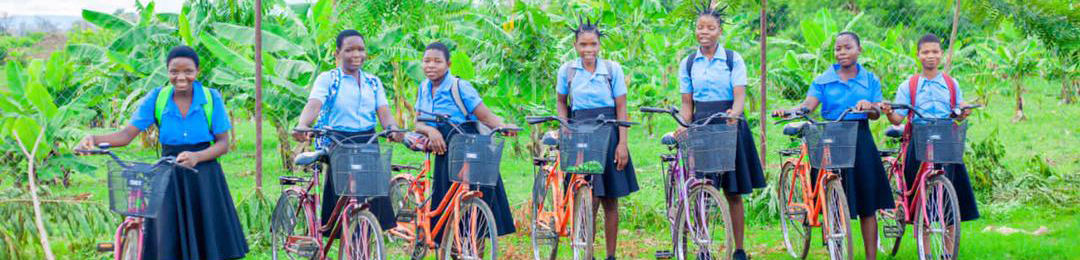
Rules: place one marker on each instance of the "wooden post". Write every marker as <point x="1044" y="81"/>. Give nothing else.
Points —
<point x="761" y="122"/>
<point x="258" y="97"/>
<point x="952" y="37"/>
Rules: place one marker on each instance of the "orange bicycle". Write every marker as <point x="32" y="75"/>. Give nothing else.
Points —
<point x="469" y="220"/>
<point x="826" y="148"/>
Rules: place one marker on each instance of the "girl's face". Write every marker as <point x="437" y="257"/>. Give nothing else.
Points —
<point x="708" y="30"/>
<point x="847" y="50"/>
<point x="435" y="64"/>
<point x="587" y="46"/>
<point x="352" y="53"/>
<point x="182" y="73"/>
<point x="930" y="55"/>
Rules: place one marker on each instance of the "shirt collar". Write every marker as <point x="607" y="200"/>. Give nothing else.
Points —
<point x="359" y="72"/>
<point x="719" y="50"/>
<point x="939" y="79"/>
<point x="448" y="78"/>
<point x="601" y="66"/>
<point x="831" y="75"/>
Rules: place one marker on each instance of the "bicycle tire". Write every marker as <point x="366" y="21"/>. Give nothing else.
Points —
<point x="837" y="217"/>
<point x="584" y="223"/>
<point x="796" y="228"/>
<point x="283" y="223"/>
<point x="361" y="221"/>
<point x="688" y="229"/>
<point x="542" y="234"/>
<point x="891" y="219"/>
<point x="475" y="214"/>
<point x="920" y="227"/>
<point x="130" y="245"/>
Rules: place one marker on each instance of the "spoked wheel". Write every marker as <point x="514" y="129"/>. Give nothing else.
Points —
<point x="472" y="233"/>
<point x="545" y="236"/>
<point x="837" y="222"/>
<point x="288" y="220"/>
<point x="891" y="221"/>
<point x="704" y="227"/>
<point x="129" y="246"/>
<point x="362" y="238"/>
<point x="937" y="224"/>
<point x="581" y="236"/>
<point x="792" y="215"/>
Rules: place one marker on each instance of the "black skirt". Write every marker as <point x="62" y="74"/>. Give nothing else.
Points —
<point x="612" y="183"/>
<point x="866" y="184"/>
<point x="379" y="206"/>
<point x="197" y="219"/>
<point x="957" y="174"/>
<point x="748" y="174"/>
<point x="495" y="197"/>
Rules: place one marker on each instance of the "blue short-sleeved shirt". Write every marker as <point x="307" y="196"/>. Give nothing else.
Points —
<point x="837" y="96"/>
<point x="356" y="101"/>
<point x="709" y="79"/>
<point x="442" y="102"/>
<point x="932" y="96"/>
<point x="176" y="129"/>
<point x="592" y="90"/>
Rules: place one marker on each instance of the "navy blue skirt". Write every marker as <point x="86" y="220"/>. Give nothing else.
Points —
<point x="495" y="197"/>
<point x="197" y="219"/>
<point x="866" y="185"/>
<point x="957" y="174"/>
<point x="748" y="174"/>
<point x="379" y="206"/>
<point x="612" y="183"/>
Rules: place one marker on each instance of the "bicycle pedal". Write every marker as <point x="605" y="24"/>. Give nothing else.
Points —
<point x="406" y="216"/>
<point x="106" y="247"/>
<point x="302" y="245"/>
<point x="796" y="213"/>
<point x="547" y="234"/>
<point x="893" y="231"/>
<point x="664" y="254"/>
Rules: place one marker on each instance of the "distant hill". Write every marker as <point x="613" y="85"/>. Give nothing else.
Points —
<point x="22" y="24"/>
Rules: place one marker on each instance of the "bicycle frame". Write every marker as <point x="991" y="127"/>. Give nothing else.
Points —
<point x="563" y="205"/>
<point x="418" y="186"/>
<point x="800" y="172"/>
<point x="926" y="171"/>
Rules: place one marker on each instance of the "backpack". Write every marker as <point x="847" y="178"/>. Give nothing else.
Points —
<point x="455" y="92"/>
<point x="728" y="55"/>
<point x="570" y="72"/>
<point x="913" y="85"/>
<point x="331" y="98"/>
<point x="166" y="93"/>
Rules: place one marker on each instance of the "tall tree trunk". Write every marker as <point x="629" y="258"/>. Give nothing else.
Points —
<point x="31" y="158"/>
<point x="1019" y="101"/>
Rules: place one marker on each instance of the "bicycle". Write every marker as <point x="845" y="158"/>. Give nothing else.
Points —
<point x="827" y="147"/>
<point x="586" y="141"/>
<point x="476" y="160"/>
<point x="136" y="191"/>
<point x="695" y="202"/>
<point x="935" y="211"/>
<point x="360" y="231"/>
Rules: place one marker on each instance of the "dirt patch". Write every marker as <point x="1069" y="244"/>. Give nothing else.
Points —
<point x="50" y="43"/>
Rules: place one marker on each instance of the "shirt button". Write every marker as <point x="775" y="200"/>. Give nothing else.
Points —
<point x="185" y="134"/>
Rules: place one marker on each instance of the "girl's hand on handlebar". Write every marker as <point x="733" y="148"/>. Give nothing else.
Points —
<point x="86" y="144"/>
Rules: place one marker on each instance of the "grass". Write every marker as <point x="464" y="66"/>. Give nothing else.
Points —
<point x="1048" y="133"/>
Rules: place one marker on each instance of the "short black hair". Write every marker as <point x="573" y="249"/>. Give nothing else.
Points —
<point x="346" y="34"/>
<point x="853" y="35"/>
<point x="587" y="26"/>
<point x="441" y="48"/>
<point x="182" y="51"/>
<point x="706" y="9"/>
<point x="928" y="38"/>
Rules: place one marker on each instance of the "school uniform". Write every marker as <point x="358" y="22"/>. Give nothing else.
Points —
<point x="592" y="95"/>
<point x="197" y="219"/>
<point x="933" y="99"/>
<point x="349" y="110"/>
<point x="712" y="85"/>
<point x="866" y="184"/>
<point x="441" y="101"/>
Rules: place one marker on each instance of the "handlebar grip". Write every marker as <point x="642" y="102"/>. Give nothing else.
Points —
<point x="507" y="129"/>
<point x="898" y="105"/>
<point x="91" y="151"/>
<point x="625" y="123"/>
<point x="971" y="106"/>
<point x="654" y="110"/>
<point x="428" y="119"/>
<point x="532" y="120"/>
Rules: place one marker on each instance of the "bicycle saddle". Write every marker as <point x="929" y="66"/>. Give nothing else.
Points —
<point x="794" y="129"/>
<point x="551" y="138"/>
<point x="308" y="158"/>
<point x="668" y="139"/>
<point x="894" y="131"/>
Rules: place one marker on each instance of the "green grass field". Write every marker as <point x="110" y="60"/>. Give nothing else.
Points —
<point x="1050" y="133"/>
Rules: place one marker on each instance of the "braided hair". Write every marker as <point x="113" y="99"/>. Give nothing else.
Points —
<point x="587" y="26"/>
<point x="706" y="9"/>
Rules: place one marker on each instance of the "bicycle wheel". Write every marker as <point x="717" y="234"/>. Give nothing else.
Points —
<point x="891" y="221"/>
<point x="793" y="218"/>
<point x="544" y="232"/>
<point x="837" y="222"/>
<point x="472" y="233"/>
<point x="362" y="238"/>
<point x="130" y="244"/>
<point x="704" y="226"/>
<point x="581" y="236"/>
<point x="937" y="224"/>
<point x="286" y="222"/>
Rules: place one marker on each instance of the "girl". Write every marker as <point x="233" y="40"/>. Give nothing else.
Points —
<point x="347" y="101"/>
<point x="713" y="80"/>
<point x="598" y="88"/>
<point x="197" y="219"/>
<point x="844" y="85"/>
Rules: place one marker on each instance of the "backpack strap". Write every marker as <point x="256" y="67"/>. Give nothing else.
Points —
<point x="163" y="99"/>
<point x="952" y="89"/>
<point x="455" y="92"/>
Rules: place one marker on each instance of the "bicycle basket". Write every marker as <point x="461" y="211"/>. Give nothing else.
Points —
<point x="138" y="189"/>
<point x="361" y="170"/>
<point x="583" y="148"/>
<point x="709" y="148"/>
<point x="945" y="136"/>
<point x="837" y="139"/>
<point x="475" y="158"/>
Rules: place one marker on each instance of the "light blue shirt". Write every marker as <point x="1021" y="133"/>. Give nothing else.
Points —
<point x="932" y="96"/>
<point x="710" y="80"/>
<point x="442" y="102"/>
<point x="592" y="90"/>
<point x="355" y="104"/>
<point x="837" y="96"/>
<point x="183" y="130"/>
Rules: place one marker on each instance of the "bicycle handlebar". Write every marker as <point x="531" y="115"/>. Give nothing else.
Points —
<point x="674" y="112"/>
<point x="326" y="132"/>
<point x="104" y="149"/>
<point x="532" y="120"/>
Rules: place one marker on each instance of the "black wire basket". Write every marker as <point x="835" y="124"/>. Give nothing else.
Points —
<point x="361" y="169"/>
<point x="709" y="148"/>
<point x="583" y="148"/>
<point x="138" y="189"/>
<point x="838" y="139"/>
<point x="944" y="136"/>
<point x="474" y="159"/>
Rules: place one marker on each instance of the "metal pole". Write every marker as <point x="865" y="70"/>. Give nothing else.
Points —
<point x="258" y="97"/>
<point x="761" y="122"/>
<point x="952" y="37"/>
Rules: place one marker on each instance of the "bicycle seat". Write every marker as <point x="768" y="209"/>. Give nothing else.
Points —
<point x="309" y="157"/>
<point x="888" y="152"/>
<point x="794" y="129"/>
<point x="540" y="161"/>
<point x="551" y="138"/>
<point x="789" y="152"/>
<point x="668" y="139"/>
<point x="894" y="131"/>
<point x="398" y="168"/>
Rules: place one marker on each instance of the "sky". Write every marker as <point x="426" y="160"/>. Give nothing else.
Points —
<point x="74" y="7"/>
